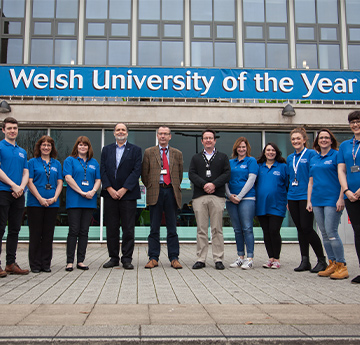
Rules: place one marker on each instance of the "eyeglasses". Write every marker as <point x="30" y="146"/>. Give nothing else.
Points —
<point x="46" y="145"/>
<point x="354" y="122"/>
<point x="208" y="138"/>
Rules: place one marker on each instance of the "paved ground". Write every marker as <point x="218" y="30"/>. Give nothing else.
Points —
<point x="164" y="305"/>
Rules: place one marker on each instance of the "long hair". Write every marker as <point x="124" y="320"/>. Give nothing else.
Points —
<point x="334" y="142"/>
<point x="85" y="140"/>
<point x="279" y="158"/>
<point x="238" y="141"/>
<point x="43" y="139"/>
<point x="302" y="131"/>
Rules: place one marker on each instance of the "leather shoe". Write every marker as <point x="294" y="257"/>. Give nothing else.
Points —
<point x="47" y="270"/>
<point x="84" y="268"/>
<point x="151" y="264"/>
<point x="35" y="271"/>
<point x="176" y="264"/>
<point x="219" y="265"/>
<point x="15" y="269"/>
<point x="198" y="264"/>
<point x="128" y="266"/>
<point x="3" y="273"/>
<point x="110" y="264"/>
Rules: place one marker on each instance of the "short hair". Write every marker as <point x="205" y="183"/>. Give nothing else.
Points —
<point x="9" y="119"/>
<point x="208" y="130"/>
<point x="85" y="140"/>
<point x="334" y="142"/>
<point x="44" y="138"/>
<point x="163" y="126"/>
<point x="238" y="141"/>
<point x="279" y="158"/>
<point x="354" y="115"/>
<point x="302" y="131"/>
<point x="122" y="123"/>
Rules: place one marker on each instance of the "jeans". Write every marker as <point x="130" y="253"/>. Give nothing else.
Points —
<point x="242" y="216"/>
<point x="328" y="220"/>
<point x="353" y="210"/>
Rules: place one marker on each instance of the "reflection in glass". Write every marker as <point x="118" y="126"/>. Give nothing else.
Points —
<point x="172" y="10"/>
<point x="12" y="28"/>
<point x="254" y="32"/>
<point x="11" y="50"/>
<point x="42" y="51"/>
<point x="307" y="53"/>
<point x="306" y="33"/>
<point x="329" y="56"/>
<point x="149" y="30"/>
<point x="305" y="11"/>
<point x="96" y="9"/>
<point x="225" y="54"/>
<point x="120" y="9"/>
<point x="254" y="55"/>
<point x="43" y="8"/>
<point x="201" y="10"/>
<point x="253" y="11"/>
<point x="172" y="53"/>
<point x="149" y="9"/>
<point x="95" y="52"/>
<point x="276" y="11"/>
<point x="224" y="31"/>
<point x="172" y="30"/>
<point x="327" y="11"/>
<point x="354" y="53"/>
<point x="66" y="29"/>
<point x="13" y="8"/>
<point x="42" y="28"/>
<point x="354" y="34"/>
<point x="352" y="11"/>
<point x="224" y="10"/>
<point x="67" y="9"/>
<point x="65" y="52"/>
<point x="329" y="34"/>
<point x="277" y="55"/>
<point x="96" y="29"/>
<point x="202" y="54"/>
<point x="149" y="53"/>
<point x="202" y="31"/>
<point x="277" y="32"/>
<point x="119" y="53"/>
<point x="119" y="29"/>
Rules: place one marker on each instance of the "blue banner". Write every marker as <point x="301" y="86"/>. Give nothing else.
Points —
<point x="179" y="82"/>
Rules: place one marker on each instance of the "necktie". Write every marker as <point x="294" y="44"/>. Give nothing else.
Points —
<point x="167" y="179"/>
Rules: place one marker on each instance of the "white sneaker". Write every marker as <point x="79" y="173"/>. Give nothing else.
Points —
<point x="238" y="262"/>
<point x="268" y="264"/>
<point x="248" y="264"/>
<point x="275" y="265"/>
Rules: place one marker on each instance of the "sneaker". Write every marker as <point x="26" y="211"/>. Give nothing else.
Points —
<point x="268" y="264"/>
<point x="238" y="262"/>
<point x="275" y="265"/>
<point x="248" y="264"/>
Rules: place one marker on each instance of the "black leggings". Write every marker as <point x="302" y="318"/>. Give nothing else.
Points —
<point x="271" y="226"/>
<point x="353" y="210"/>
<point x="304" y="221"/>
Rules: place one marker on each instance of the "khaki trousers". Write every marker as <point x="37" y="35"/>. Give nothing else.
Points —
<point x="205" y="207"/>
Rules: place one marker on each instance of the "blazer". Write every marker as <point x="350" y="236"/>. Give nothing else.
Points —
<point x="150" y="173"/>
<point x="126" y="175"/>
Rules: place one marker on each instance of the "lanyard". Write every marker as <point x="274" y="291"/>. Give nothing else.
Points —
<point x="354" y="154"/>
<point x="295" y="166"/>
<point x="84" y="167"/>
<point x="47" y="173"/>
<point x="208" y="162"/>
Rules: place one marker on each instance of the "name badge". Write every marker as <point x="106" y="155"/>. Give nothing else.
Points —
<point x="48" y="186"/>
<point x="355" y="169"/>
<point x="85" y="183"/>
<point x="295" y="183"/>
<point x="163" y="172"/>
<point x="208" y="173"/>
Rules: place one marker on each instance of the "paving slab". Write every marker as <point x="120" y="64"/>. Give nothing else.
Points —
<point x="13" y="314"/>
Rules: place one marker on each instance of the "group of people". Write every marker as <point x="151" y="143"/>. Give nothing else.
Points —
<point x="319" y="181"/>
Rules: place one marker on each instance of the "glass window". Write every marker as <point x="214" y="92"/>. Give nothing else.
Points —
<point x="327" y="11"/>
<point x="305" y="11"/>
<point x="253" y="11"/>
<point x="172" y="53"/>
<point x="119" y="29"/>
<point x="96" y="9"/>
<point x="65" y="52"/>
<point x="224" y="10"/>
<point x="202" y="31"/>
<point x="11" y="50"/>
<point x="277" y="32"/>
<point x="67" y="9"/>
<point x="95" y="52"/>
<point x="149" y="30"/>
<point x="149" y="9"/>
<point x="354" y="34"/>
<point x="42" y="51"/>
<point x="119" y="53"/>
<point x="120" y="9"/>
<point x="254" y="32"/>
<point x="12" y="28"/>
<point x="202" y="54"/>
<point x="43" y="8"/>
<point x="149" y="53"/>
<point x="96" y="29"/>
<point x="254" y="55"/>
<point x="276" y="11"/>
<point x="225" y="54"/>
<point x="66" y="29"/>
<point x="277" y="55"/>
<point x="201" y="10"/>
<point x="13" y="8"/>
<point x="329" y="56"/>
<point x="306" y="56"/>
<point x="306" y="33"/>
<point x="172" y="10"/>
<point x="172" y="30"/>
<point x="224" y="31"/>
<point x="328" y="34"/>
<point x="42" y="28"/>
<point x="354" y="53"/>
<point x="352" y="11"/>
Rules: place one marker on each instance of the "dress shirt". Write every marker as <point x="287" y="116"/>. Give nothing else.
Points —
<point x="119" y="153"/>
<point x="167" y="155"/>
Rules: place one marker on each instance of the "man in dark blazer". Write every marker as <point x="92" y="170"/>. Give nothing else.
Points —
<point x="162" y="172"/>
<point x="120" y="170"/>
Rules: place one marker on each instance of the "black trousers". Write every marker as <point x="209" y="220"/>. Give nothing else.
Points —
<point x="117" y="211"/>
<point x="271" y="226"/>
<point x="41" y="228"/>
<point x="11" y="212"/>
<point x="353" y="210"/>
<point x="79" y="220"/>
<point x="304" y="221"/>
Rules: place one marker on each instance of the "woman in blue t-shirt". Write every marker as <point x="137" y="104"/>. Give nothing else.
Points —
<point x="241" y="201"/>
<point x="326" y="200"/>
<point x="299" y="167"/>
<point x="271" y="197"/>
<point x="82" y="174"/>
<point x="45" y="185"/>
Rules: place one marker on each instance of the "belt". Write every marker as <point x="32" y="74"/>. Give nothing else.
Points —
<point x="164" y="185"/>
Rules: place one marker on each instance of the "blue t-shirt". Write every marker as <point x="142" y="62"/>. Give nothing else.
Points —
<point x="271" y="193"/>
<point x="345" y="156"/>
<point x="326" y="187"/>
<point x="76" y="168"/>
<point x="299" y="192"/>
<point x="37" y="173"/>
<point x="240" y="171"/>
<point x="13" y="161"/>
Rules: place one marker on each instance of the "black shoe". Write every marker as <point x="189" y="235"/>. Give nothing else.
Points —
<point x="69" y="269"/>
<point x="320" y="266"/>
<point x="219" y="265"/>
<point x="198" y="264"/>
<point x="128" y="266"/>
<point x="84" y="268"/>
<point x="110" y="264"/>
<point x="304" y="265"/>
<point x="35" y="270"/>
<point x="47" y="270"/>
<point x="356" y="280"/>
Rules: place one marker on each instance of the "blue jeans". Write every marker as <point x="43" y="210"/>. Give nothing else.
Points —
<point x="242" y="216"/>
<point x="328" y="220"/>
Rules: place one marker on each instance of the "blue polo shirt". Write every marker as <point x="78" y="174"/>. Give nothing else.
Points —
<point x="240" y="171"/>
<point x="299" y="192"/>
<point x="271" y="193"/>
<point x="37" y="173"/>
<point x="326" y="187"/>
<point x="75" y="168"/>
<point x="13" y="161"/>
<point x="345" y="156"/>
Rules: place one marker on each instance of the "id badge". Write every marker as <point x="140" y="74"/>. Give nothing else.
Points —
<point x="355" y="169"/>
<point x="85" y="183"/>
<point x="163" y="172"/>
<point x="295" y="183"/>
<point x="208" y="173"/>
<point x="48" y="186"/>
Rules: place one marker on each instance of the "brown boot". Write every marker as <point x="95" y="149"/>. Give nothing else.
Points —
<point x="329" y="270"/>
<point x="15" y="269"/>
<point x="341" y="271"/>
<point x="2" y="273"/>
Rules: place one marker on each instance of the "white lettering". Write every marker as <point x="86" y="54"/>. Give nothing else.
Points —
<point x="207" y="84"/>
<point x="22" y="76"/>
<point x="323" y="83"/>
<point x="233" y="84"/>
<point x="284" y="82"/>
<point x="154" y="80"/>
<point x="310" y="87"/>
<point x="41" y="78"/>
<point x="106" y="84"/>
